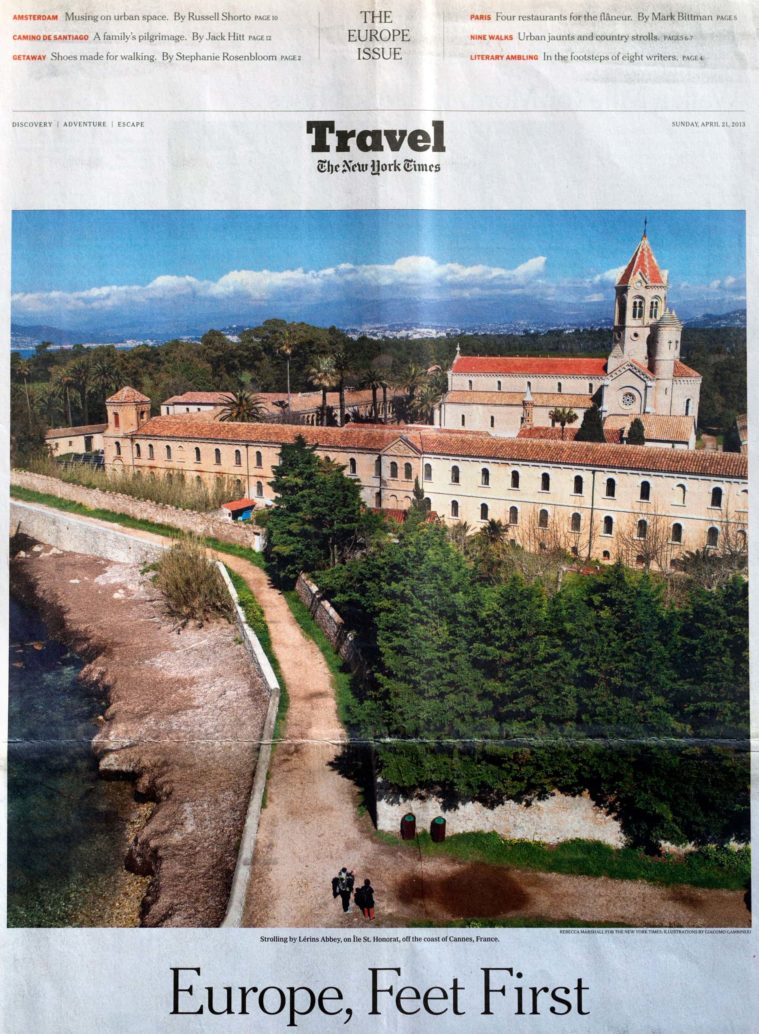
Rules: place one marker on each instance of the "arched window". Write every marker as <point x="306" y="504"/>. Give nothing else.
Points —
<point x="470" y="385"/>
<point x="168" y="452"/>
<point x="590" y="387"/>
<point x="378" y="499"/>
<point x="151" y="453"/>
<point x="611" y="488"/>
<point x="680" y="495"/>
<point x="351" y="466"/>
<point x="638" y="308"/>
<point x="515" y="479"/>
<point x="454" y="508"/>
<point x="492" y="421"/>
<point x="116" y="420"/>
<point x="499" y="385"/>
<point x="687" y="407"/>
<point x="197" y="454"/>
<point x="259" y="489"/>
<point x="427" y="503"/>
<point x="545" y="482"/>
<point x="712" y="537"/>
<point x="217" y="455"/>
<point x="238" y="486"/>
<point x="608" y="525"/>
<point x="455" y="476"/>
<point x="198" y="479"/>
<point x="138" y="451"/>
<point x="238" y="458"/>
<point x="463" y="420"/>
<point x="428" y="472"/>
<point x="393" y="469"/>
<point x="377" y="467"/>
<point x="558" y="387"/>
<point x="169" y="476"/>
<point x="118" y="448"/>
<point x="529" y="385"/>
<point x="485" y="476"/>
<point x="259" y="459"/>
<point x="677" y="533"/>
<point x="653" y="309"/>
<point x="642" y="530"/>
<point x="742" y="540"/>
<point x="606" y="555"/>
<point x="407" y="472"/>
<point x="576" y="522"/>
<point x="645" y="491"/>
<point x="578" y="484"/>
<point x="483" y="511"/>
<point x="716" y="497"/>
<point x="513" y="515"/>
<point x="543" y="519"/>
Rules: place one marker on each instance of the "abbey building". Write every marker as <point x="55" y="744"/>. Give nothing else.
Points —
<point x="643" y="375"/>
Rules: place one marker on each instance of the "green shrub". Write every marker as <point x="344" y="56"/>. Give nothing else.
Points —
<point x="191" y="584"/>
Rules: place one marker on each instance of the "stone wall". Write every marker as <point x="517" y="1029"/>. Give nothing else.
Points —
<point x="80" y="535"/>
<point x="243" y="869"/>
<point x="207" y="524"/>
<point x="550" y="821"/>
<point x="330" y="622"/>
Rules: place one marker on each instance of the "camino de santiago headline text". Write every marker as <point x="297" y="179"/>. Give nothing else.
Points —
<point x="501" y="991"/>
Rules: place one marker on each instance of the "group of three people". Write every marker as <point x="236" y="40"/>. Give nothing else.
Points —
<point x="342" y="885"/>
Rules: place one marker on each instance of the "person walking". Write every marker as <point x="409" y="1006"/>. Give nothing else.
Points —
<point x="342" y="884"/>
<point x="365" y="899"/>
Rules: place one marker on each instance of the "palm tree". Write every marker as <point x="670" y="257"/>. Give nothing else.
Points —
<point x="242" y="407"/>
<point x="422" y="406"/>
<point x="287" y="338"/>
<point x="65" y="381"/>
<point x="494" y="531"/>
<point x="105" y="372"/>
<point x="23" y="370"/>
<point x="323" y="374"/>
<point x="81" y="372"/>
<point x="562" y="416"/>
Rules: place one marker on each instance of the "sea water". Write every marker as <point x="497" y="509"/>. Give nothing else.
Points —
<point x="67" y="828"/>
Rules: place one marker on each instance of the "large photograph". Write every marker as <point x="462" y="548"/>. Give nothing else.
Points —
<point x="379" y="568"/>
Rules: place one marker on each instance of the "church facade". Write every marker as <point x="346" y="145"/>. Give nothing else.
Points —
<point x="643" y="375"/>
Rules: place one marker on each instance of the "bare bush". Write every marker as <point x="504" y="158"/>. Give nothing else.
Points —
<point x="191" y="584"/>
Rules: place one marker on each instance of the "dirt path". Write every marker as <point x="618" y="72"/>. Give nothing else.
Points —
<point x="311" y="827"/>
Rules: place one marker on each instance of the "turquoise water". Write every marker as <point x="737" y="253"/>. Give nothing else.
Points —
<point x="66" y="826"/>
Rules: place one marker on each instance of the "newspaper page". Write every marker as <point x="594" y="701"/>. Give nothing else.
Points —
<point x="378" y="418"/>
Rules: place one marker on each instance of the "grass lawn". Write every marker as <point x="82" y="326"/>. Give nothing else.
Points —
<point x="715" y="867"/>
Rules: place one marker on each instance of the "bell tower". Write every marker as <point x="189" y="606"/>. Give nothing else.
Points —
<point x="641" y="298"/>
<point x="127" y="411"/>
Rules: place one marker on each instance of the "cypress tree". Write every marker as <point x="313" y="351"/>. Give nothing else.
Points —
<point x="591" y="429"/>
<point x="636" y="434"/>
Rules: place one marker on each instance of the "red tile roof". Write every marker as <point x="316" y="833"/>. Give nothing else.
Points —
<point x="591" y="454"/>
<point x="567" y="367"/>
<point x="69" y="432"/>
<point x="681" y="370"/>
<point x="239" y="504"/>
<point x="655" y="427"/>
<point x="439" y="442"/>
<point x="515" y="398"/>
<point x="197" y="398"/>
<point x="643" y="262"/>
<point x="128" y="395"/>
<point x="613" y="437"/>
<point x="352" y="436"/>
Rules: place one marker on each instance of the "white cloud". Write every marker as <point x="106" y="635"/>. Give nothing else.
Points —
<point x="417" y="274"/>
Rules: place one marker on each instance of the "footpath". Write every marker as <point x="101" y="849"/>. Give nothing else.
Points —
<point x="311" y="827"/>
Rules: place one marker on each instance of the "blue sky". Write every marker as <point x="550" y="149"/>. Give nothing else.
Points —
<point x="181" y="271"/>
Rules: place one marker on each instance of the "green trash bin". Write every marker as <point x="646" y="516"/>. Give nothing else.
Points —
<point x="437" y="830"/>
<point x="408" y="827"/>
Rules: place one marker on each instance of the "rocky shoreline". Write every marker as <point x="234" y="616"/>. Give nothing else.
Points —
<point x="183" y="723"/>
